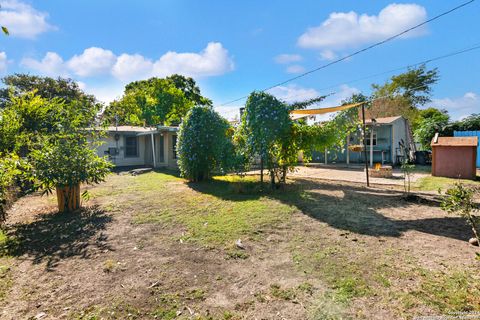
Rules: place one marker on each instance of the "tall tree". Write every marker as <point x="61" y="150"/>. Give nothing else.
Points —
<point x="48" y="88"/>
<point x="156" y="101"/>
<point x="403" y="94"/>
<point x="430" y="121"/>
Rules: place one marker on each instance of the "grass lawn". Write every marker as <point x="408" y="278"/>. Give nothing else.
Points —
<point x="156" y="247"/>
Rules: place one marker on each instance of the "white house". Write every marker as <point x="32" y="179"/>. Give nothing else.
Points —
<point x="140" y="146"/>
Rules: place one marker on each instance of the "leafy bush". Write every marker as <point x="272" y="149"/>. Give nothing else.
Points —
<point x="12" y="168"/>
<point x="204" y="144"/>
<point x="67" y="161"/>
<point x="459" y="200"/>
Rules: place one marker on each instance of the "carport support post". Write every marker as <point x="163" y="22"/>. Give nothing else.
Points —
<point x="365" y="144"/>
<point x="153" y="151"/>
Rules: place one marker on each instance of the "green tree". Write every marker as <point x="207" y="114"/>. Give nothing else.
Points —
<point x="430" y="121"/>
<point x="28" y="117"/>
<point x="403" y="94"/>
<point x="155" y="101"/>
<point x="204" y="144"/>
<point x="63" y="163"/>
<point x="265" y="125"/>
<point x="49" y="88"/>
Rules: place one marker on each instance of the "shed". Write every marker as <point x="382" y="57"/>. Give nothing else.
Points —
<point x="454" y="157"/>
<point x="470" y="134"/>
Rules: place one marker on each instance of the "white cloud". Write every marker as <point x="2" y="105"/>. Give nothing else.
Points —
<point x="293" y="93"/>
<point x="328" y="55"/>
<point x="296" y="68"/>
<point x="22" y="20"/>
<point x="212" y="61"/>
<point x="458" y="106"/>
<point x="93" y="61"/>
<point x="51" y="65"/>
<point x="349" y="29"/>
<point x="287" y="58"/>
<point x="130" y="67"/>
<point x="3" y="62"/>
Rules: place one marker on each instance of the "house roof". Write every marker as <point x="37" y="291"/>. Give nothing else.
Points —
<point x="386" y="120"/>
<point x="130" y="129"/>
<point x="455" y="142"/>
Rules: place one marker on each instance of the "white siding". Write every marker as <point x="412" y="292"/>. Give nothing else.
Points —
<point x="120" y="159"/>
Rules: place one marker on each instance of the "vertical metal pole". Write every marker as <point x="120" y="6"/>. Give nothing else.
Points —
<point x="371" y="146"/>
<point x="326" y="156"/>
<point x="365" y="144"/>
<point x="348" y="150"/>
<point x="153" y="151"/>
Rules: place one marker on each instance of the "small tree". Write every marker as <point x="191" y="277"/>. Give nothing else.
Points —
<point x="204" y="144"/>
<point x="459" y="200"/>
<point x="64" y="162"/>
<point x="407" y="170"/>
<point x="266" y="127"/>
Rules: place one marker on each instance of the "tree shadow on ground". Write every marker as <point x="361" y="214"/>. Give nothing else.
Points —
<point x="57" y="236"/>
<point x="346" y="207"/>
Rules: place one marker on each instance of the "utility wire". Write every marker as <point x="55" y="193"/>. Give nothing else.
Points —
<point x="359" y="51"/>
<point x="475" y="46"/>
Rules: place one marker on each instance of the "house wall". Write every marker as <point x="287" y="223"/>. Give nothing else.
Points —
<point x="337" y="155"/>
<point x="399" y="130"/>
<point x="120" y="159"/>
<point x="454" y="162"/>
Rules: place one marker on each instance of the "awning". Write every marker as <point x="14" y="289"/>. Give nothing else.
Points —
<point x="302" y="113"/>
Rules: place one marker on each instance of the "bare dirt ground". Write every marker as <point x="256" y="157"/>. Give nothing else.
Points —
<point x="342" y="252"/>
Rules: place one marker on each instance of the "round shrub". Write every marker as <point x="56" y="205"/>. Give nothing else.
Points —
<point x="204" y="144"/>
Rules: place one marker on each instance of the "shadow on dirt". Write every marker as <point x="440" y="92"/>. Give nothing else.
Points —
<point x="344" y="206"/>
<point x="56" y="236"/>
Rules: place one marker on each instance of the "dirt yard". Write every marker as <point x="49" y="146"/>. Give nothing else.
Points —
<point x="155" y="247"/>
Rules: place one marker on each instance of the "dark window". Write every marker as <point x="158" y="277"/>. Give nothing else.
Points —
<point x="162" y="151"/>
<point x="367" y="138"/>
<point x="131" y="146"/>
<point x="174" y="144"/>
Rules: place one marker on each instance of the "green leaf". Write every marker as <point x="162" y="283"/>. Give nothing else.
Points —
<point x="5" y="30"/>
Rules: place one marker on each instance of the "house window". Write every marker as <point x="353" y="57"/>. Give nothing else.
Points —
<point x="367" y="138"/>
<point x="131" y="146"/>
<point x="174" y="144"/>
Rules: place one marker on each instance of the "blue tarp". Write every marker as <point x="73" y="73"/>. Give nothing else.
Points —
<point x="470" y="134"/>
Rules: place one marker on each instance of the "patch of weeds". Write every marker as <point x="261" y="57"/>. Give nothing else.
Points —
<point x="227" y="315"/>
<point x="235" y="254"/>
<point x="118" y="310"/>
<point x="283" y="294"/>
<point x="349" y="287"/>
<point x="195" y="294"/>
<point x="109" y="266"/>
<point x="306" y="288"/>
<point x="244" y="306"/>
<point x="6" y="281"/>
<point x="325" y="307"/>
<point x="167" y="308"/>
<point x="260" y="297"/>
<point x="455" y="291"/>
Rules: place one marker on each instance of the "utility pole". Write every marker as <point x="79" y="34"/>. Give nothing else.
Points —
<point x="365" y="144"/>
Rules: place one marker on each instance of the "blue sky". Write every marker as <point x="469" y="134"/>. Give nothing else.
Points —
<point x="234" y="47"/>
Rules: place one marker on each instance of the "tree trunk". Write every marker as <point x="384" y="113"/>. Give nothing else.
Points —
<point x="284" y="174"/>
<point x="272" y="179"/>
<point x="68" y="198"/>
<point x="474" y="227"/>
<point x="261" y="171"/>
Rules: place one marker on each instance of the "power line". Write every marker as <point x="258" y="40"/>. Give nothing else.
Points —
<point x="359" y="51"/>
<point x="475" y="46"/>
